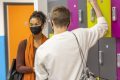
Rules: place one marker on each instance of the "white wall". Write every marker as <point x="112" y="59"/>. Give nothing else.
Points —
<point x="17" y="1"/>
<point x="41" y="5"/>
<point x="1" y="20"/>
<point x="2" y="14"/>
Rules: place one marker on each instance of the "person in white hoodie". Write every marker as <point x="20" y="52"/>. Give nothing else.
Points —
<point x="59" y="57"/>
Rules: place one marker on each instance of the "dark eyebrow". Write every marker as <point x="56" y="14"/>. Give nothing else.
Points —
<point x="36" y="23"/>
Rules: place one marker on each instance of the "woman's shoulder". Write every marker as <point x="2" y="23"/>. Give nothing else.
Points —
<point x="23" y="42"/>
<point x="22" y="46"/>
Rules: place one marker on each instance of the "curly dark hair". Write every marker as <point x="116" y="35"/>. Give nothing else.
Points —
<point x="40" y="15"/>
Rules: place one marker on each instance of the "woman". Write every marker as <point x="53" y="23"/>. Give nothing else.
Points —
<point x="27" y="48"/>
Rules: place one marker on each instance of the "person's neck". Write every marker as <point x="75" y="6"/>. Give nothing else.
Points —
<point x="38" y="36"/>
<point x="58" y="30"/>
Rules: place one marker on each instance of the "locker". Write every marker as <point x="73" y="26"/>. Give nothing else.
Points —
<point x="105" y="6"/>
<point x="107" y="58"/>
<point x="82" y="13"/>
<point x="118" y="58"/>
<point x="115" y="18"/>
<point x="73" y="7"/>
<point x="93" y="61"/>
<point x="102" y="59"/>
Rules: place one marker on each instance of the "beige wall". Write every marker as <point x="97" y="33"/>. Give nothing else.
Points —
<point x="2" y="12"/>
<point x="1" y="20"/>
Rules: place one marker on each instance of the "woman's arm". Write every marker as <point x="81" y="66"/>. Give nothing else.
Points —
<point x="20" y="60"/>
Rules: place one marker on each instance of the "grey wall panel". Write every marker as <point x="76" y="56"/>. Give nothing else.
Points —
<point x="107" y="49"/>
<point x="54" y="3"/>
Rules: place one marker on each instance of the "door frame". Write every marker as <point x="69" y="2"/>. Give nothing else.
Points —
<point x="5" y="4"/>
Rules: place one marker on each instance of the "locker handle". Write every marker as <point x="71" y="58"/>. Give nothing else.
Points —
<point x="101" y="57"/>
<point x="92" y="14"/>
<point x="114" y="13"/>
<point x="101" y="1"/>
<point x="80" y="15"/>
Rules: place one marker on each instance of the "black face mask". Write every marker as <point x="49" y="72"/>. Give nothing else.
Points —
<point x="36" y="30"/>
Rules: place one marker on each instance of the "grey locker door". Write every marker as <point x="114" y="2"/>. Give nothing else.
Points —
<point x="92" y="60"/>
<point x="52" y="4"/>
<point x="107" y="58"/>
<point x="82" y="12"/>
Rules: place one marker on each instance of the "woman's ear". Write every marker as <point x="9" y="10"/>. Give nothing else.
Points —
<point x="26" y="24"/>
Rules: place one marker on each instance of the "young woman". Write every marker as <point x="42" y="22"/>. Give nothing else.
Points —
<point x="27" y="47"/>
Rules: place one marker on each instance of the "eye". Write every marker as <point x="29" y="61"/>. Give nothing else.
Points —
<point x="31" y="24"/>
